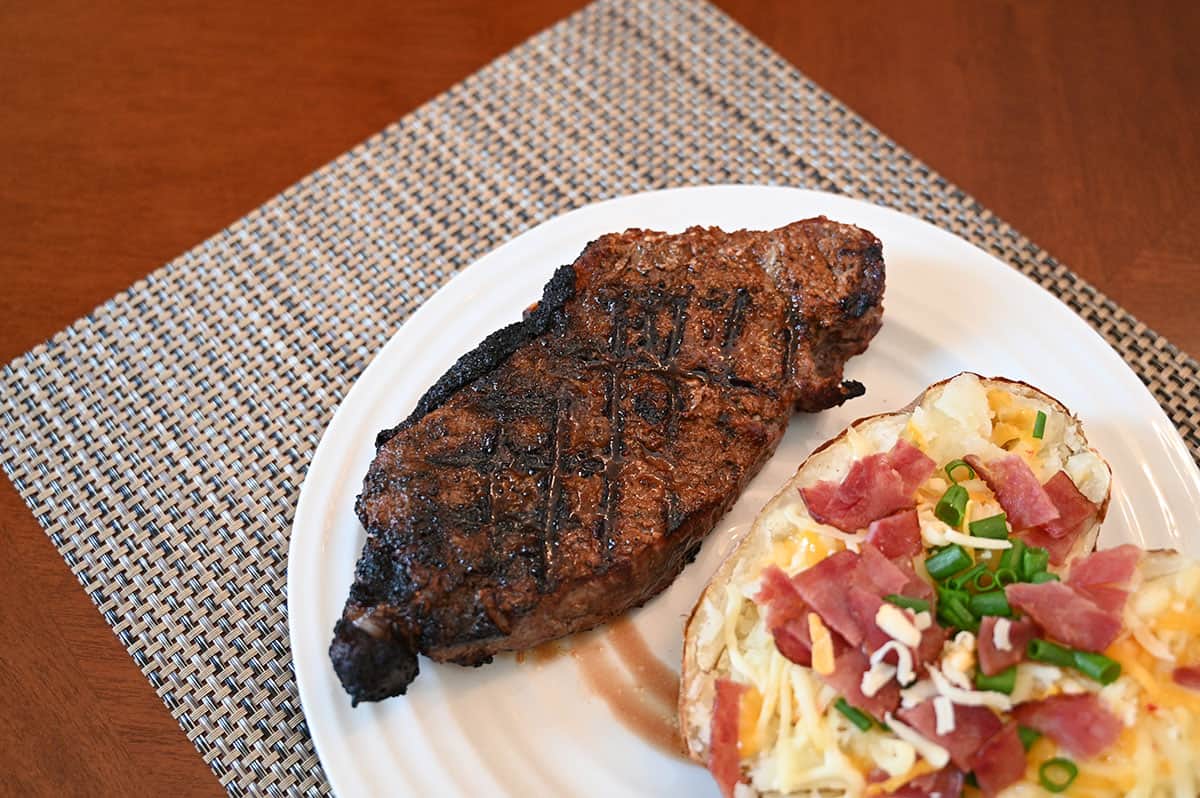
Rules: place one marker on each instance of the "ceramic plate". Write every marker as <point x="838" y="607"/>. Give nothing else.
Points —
<point x="537" y="727"/>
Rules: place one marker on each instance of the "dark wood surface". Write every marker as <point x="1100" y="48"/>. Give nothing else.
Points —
<point x="132" y="131"/>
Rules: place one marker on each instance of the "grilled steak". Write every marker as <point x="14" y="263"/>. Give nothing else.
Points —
<point x="570" y="466"/>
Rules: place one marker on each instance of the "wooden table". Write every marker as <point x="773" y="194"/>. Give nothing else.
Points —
<point x="132" y="134"/>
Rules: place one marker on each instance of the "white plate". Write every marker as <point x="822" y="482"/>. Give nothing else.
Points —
<point x="526" y="729"/>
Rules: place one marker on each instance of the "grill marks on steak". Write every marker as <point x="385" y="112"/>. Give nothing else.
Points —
<point x="570" y="466"/>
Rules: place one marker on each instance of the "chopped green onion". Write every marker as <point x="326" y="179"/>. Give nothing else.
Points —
<point x="1044" y="576"/>
<point x="1028" y="736"/>
<point x="1034" y="561"/>
<point x="954" y="465"/>
<point x="983" y="586"/>
<point x="1039" y="426"/>
<point x="1002" y="682"/>
<point x="1057" y="774"/>
<point x="907" y="602"/>
<point x="1011" y="558"/>
<point x="961" y="581"/>
<point x="970" y="779"/>
<point x="952" y="609"/>
<point x="952" y="505"/>
<point x="1045" y="651"/>
<point x="949" y="593"/>
<point x="1097" y="666"/>
<point x="991" y="603"/>
<point x="856" y="716"/>
<point x="1006" y="576"/>
<point x="994" y="526"/>
<point x="947" y="562"/>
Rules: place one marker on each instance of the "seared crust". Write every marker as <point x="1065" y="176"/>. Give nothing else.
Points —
<point x="492" y="351"/>
<point x="571" y="465"/>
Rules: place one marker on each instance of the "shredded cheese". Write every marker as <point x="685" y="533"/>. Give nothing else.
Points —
<point x="933" y="530"/>
<point x="1148" y="641"/>
<point x="918" y="692"/>
<point x="969" y="698"/>
<point x="973" y="542"/>
<point x="930" y="751"/>
<point x="749" y="741"/>
<point x="918" y="770"/>
<point x="958" y="659"/>
<point x="897" y="625"/>
<point x="892" y="754"/>
<point x="791" y="739"/>
<point x="875" y="677"/>
<point x="1000" y="635"/>
<point x="905" y="672"/>
<point x="943" y="711"/>
<point x="822" y="645"/>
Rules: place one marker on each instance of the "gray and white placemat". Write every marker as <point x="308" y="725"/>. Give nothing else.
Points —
<point x="162" y="440"/>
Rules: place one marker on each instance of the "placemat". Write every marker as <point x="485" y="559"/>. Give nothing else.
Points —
<point x="162" y="440"/>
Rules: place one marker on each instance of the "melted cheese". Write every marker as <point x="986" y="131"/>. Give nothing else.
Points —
<point x="749" y="709"/>
<point x="969" y="698"/>
<point x="794" y="742"/>
<point x="822" y="645"/>
<point x="1158" y="752"/>
<point x="896" y="782"/>
<point x="912" y="434"/>
<point x="1160" y="688"/>
<point x="803" y="549"/>
<point x="930" y="751"/>
<point x="1174" y="621"/>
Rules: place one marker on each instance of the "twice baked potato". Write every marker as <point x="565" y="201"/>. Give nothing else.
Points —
<point x="917" y="613"/>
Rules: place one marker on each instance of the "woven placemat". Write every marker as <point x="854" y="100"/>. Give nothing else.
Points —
<point x="162" y="440"/>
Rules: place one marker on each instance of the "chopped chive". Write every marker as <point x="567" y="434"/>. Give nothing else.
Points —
<point x="991" y="603"/>
<point x="970" y="779"/>
<point x="947" y="562"/>
<point x="984" y="581"/>
<point x="947" y="594"/>
<point x="856" y="716"/>
<point x="1039" y="426"/>
<point x="961" y="581"/>
<point x="1097" y="666"/>
<point x="907" y="602"/>
<point x="1006" y="576"/>
<point x="952" y="609"/>
<point x="994" y="527"/>
<point x="1028" y="736"/>
<point x="952" y="505"/>
<point x="1044" y="576"/>
<point x="954" y="465"/>
<point x="1002" y="682"/>
<point x="1045" y="651"/>
<point x="1011" y="558"/>
<point x="1057" y="774"/>
<point x="1034" y="561"/>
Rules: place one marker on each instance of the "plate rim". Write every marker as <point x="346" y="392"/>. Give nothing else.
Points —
<point x="307" y="681"/>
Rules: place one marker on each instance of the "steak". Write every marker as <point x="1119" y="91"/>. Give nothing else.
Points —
<point x="569" y="467"/>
